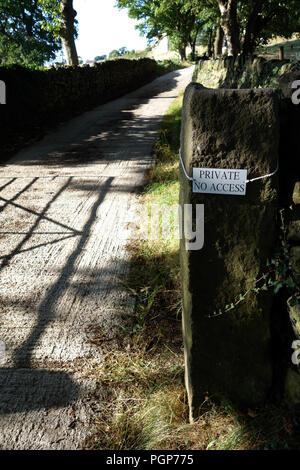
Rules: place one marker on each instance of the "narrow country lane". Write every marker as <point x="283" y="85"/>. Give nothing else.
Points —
<point x="64" y="207"/>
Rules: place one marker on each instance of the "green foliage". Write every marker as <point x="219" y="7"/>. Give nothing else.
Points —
<point x="166" y="66"/>
<point x="23" y="39"/>
<point x="186" y="21"/>
<point x="118" y="53"/>
<point x="133" y="54"/>
<point x="51" y="21"/>
<point x="61" y="22"/>
<point x="275" y="18"/>
<point x="180" y="20"/>
<point x="100" y="57"/>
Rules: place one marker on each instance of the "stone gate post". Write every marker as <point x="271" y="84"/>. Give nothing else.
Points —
<point x="228" y="355"/>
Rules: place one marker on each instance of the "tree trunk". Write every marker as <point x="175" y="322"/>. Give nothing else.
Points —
<point x="182" y="53"/>
<point x="193" y="47"/>
<point x="219" y="41"/>
<point x="249" y="40"/>
<point x="210" y="43"/>
<point x="193" y="41"/>
<point x="67" y="31"/>
<point x="253" y="28"/>
<point x="281" y="53"/>
<point x="28" y="18"/>
<point x="192" y="44"/>
<point x="229" y="23"/>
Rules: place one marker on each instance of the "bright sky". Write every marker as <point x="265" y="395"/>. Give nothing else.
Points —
<point x="103" y="27"/>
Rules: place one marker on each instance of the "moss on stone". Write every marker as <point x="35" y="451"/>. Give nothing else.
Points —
<point x="294" y="313"/>
<point x="295" y="263"/>
<point x="293" y="234"/>
<point x="250" y="73"/>
<point x="296" y="193"/>
<point x="292" y="388"/>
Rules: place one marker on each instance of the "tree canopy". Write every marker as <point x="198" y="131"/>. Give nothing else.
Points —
<point x="180" y="20"/>
<point x="23" y="38"/>
<point x="33" y="31"/>
<point x="243" y="23"/>
<point x="118" y="53"/>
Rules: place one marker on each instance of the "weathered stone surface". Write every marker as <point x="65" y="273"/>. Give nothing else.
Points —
<point x="296" y="193"/>
<point x="247" y="73"/>
<point x="229" y="355"/>
<point x="293" y="233"/>
<point x="258" y="64"/>
<point x="294" y="313"/>
<point x="295" y="262"/>
<point x="292" y="388"/>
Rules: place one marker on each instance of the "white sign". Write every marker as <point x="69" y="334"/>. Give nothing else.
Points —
<point x="219" y="181"/>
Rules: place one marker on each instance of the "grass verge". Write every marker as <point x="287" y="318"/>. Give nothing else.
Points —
<point x="143" y="403"/>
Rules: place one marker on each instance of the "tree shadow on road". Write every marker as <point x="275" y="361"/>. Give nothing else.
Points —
<point x="23" y="388"/>
<point x="33" y="389"/>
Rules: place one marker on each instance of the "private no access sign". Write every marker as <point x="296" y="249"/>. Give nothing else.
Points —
<point x="219" y="181"/>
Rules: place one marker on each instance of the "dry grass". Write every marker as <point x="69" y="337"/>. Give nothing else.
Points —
<point x="143" y="402"/>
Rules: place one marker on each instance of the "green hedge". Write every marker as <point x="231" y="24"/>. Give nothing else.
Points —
<point x="38" y="99"/>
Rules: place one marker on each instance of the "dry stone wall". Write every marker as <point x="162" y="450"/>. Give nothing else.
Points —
<point x="37" y="99"/>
